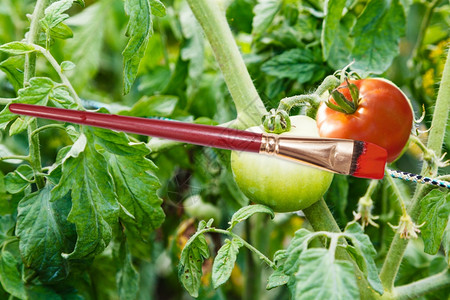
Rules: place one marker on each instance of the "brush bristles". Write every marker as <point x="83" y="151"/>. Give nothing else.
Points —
<point x="368" y="160"/>
<point x="358" y="150"/>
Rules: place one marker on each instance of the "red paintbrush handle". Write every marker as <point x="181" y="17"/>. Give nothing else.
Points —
<point x="204" y="135"/>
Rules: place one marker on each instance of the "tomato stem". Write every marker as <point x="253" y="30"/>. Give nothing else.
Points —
<point x="277" y="121"/>
<point x="212" y="18"/>
<point x="423" y="286"/>
<point x="244" y="242"/>
<point x="29" y="72"/>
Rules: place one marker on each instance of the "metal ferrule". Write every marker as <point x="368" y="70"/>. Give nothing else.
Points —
<point x="333" y="155"/>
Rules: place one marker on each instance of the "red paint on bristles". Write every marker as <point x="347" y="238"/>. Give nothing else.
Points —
<point x="371" y="162"/>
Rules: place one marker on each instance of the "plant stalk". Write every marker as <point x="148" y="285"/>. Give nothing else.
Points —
<point x="29" y="72"/>
<point x="436" y="137"/>
<point x="421" y="287"/>
<point x="211" y="17"/>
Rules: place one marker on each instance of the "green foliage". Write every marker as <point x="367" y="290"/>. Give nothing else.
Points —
<point x="45" y="234"/>
<point x="320" y="276"/>
<point x="248" y="211"/>
<point x="10" y="275"/>
<point x="378" y="30"/>
<point x="139" y="29"/>
<point x="194" y="253"/>
<point x="224" y="261"/>
<point x="434" y="216"/>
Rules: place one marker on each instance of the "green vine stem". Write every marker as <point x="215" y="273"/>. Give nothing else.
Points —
<point x="421" y="287"/>
<point x="435" y="139"/>
<point x="6" y="101"/>
<point x="320" y="217"/>
<point x="59" y="126"/>
<point x="244" y="242"/>
<point x="211" y="17"/>
<point x="440" y="116"/>
<point x="29" y="72"/>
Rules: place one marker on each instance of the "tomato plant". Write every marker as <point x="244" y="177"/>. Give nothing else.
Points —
<point x="382" y="114"/>
<point x="282" y="185"/>
<point x="88" y="213"/>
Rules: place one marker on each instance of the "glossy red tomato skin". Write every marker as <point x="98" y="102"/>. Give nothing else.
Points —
<point x="384" y="117"/>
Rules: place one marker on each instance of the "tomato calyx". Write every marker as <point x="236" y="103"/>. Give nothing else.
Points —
<point x="342" y="104"/>
<point x="276" y="121"/>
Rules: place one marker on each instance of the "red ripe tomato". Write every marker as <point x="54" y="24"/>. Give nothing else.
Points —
<point x="383" y="116"/>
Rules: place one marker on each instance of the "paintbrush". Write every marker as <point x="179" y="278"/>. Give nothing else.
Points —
<point x="348" y="157"/>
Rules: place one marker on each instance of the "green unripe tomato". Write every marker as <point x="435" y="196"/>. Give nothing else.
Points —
<point x="281" y="184"/>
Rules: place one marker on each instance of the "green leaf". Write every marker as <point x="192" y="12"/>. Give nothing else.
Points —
<point x="19" y="125"/>
<point x="297" y="246"/>
<point x="446" y="243"/>
<point x="17" y="48"/>
<point x="377" y="34"/>
<point x="136" y="186"/>
<point x="247" y="211"/>
<point x="45" y="234"/>
<point x="118" y="143"/>
<point x="127" y="277"/>
<point x="19" y="180"/>
<point x="278" y="277"/>
<point x="140" y="28"/>
<point x="435" y="223"/>
<point x="364" y="247"/>
<point x="5" y="117"/>
<point x="224" y="261"/>
<point x="11" y="275"/>
<point x="7" y="223"/>
<point x="322" y="277"/>
<point x="190" y="268"/>
<point x="331" y="25"/>
<point x="153" y="106"/>
<point x="264" y="12"/>
<point x="158" y="8"/>
<point x="54" y="14"/>
<point x="94" y="202"/>
<point x="341" y="48"/>
<point x="61" y="31"/>
<point x="13" y="68"/>
<point x="39" y="91"/>
<point x="297" y="64"/>
<point x="67" y="66"/>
